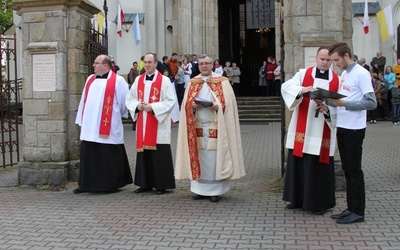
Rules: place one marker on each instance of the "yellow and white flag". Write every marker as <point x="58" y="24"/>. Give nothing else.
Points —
<point x="385" y="20"/>
<point x="100" y="22"/>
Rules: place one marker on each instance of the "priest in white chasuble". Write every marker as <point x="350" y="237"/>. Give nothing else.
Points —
<point x="151" y="100"/>
<point x="310" y="172"/>
<point x="209" y="150"/>
<point x="104" y="165"/>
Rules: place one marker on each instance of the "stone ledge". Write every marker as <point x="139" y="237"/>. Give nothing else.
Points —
<point x="316" y="40"/>
<point x="43" y="175"/>
<point x="42" y="47"/>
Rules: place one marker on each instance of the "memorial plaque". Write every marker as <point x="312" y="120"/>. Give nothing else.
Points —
<point x="310" y="54"/>
<point x="44" y="72"/>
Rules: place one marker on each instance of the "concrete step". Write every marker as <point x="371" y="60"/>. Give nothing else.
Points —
<point x="259" y="109"/>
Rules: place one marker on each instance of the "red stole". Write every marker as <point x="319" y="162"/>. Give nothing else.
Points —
<point x="195" y="86"/>
<point x="302" y="120"/>
<point x="108" y="103"/>
<point x="150" y="138"/>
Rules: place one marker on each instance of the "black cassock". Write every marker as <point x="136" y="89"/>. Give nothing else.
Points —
<point x="155" y="169"/>
<point x="309" y="183"/>
<point x="103" y="167"/>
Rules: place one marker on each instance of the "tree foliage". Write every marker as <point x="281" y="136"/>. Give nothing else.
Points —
<point x="6" y="15"/>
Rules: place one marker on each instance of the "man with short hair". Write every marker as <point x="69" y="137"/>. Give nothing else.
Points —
<point x="209" y="150"/>
<point x="362" y="63"/>
<point x="104" y="165"/>
<point x="310" y="170"/>
<point x="351" y="125"/>
<point x="150" y="102"/>
<point x="378" y="63"/>
<point x="165" y="66"/>
<point x="195" y="66"/>
<point x="173" y="65"/>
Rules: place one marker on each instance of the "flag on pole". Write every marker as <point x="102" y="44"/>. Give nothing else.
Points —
<point x="366" y="18"/>
<point x="120" y="19"/>
<point x="100" y="22"/>
<point x="385" y="21"/>
<point x="136" y="29"/>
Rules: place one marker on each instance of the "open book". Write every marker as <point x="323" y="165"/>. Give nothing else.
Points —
<point x="324" y="94"/>
<point x="203" y="102"/>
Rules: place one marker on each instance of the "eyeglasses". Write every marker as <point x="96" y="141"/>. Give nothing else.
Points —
<point x="95" y="63"/>
<point x="204" y="63"/>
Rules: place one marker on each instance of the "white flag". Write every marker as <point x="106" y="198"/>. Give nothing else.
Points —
<point x="120" y="19"/>
<point x="136" y="29"/>
<point x="366" y="18"/>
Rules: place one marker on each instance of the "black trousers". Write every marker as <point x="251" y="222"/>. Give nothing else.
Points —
<point x="350" y="143"/>
<point x="180" y="91"/>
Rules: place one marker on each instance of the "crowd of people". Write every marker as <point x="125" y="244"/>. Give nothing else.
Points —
<point x="270" y="77"/>
<point x="385" y="82"/>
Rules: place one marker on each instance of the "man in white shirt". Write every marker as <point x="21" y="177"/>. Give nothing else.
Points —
<point x="151" y="100"/>
<point x="104" y="165"/>
<point x="351" y="125"/>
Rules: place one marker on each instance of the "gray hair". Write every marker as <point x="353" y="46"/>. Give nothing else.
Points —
<point x="203" y="56"/>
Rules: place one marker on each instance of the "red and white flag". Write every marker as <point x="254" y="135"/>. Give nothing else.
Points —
<point x="366" y="18"/>
<point x="120" y="19"/>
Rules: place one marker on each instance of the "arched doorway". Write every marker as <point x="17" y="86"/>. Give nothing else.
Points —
<point x="247" y="37"/>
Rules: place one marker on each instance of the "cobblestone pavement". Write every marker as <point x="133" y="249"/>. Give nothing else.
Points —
<point x="250" y="216"/>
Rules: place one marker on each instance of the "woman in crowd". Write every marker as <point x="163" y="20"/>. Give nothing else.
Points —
<point x="376" y="84"/>
<point x="217" y="67"/>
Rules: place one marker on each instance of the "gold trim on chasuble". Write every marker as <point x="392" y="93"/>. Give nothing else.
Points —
<point x="192" y="132"/>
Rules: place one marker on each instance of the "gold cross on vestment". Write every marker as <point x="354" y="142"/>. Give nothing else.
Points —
<point x="107" y="108"/>
<point x="106" y="122"/>
<point x="155" y="93"/>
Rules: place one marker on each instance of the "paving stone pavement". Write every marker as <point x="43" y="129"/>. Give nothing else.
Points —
<point x="251" y="215"/>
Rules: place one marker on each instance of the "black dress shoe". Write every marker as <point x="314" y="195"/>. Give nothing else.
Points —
<point x="341" y="215"/>
<point x="142" y="190"/>
<point x="161" y="192"/>
<point x="198" y="197"/>
<point x="320" y="212"/>
<point x="77" y="191"/>
<point x="293" y="206"/>
<point x="214" y="198"/>
<point x="350" y="218"/>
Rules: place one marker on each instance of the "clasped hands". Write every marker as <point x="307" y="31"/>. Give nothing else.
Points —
<point x="214" y="107"/>
<point x="144" y="106"/>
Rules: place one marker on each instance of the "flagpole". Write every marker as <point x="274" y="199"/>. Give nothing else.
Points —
<point x="105" y="8"/>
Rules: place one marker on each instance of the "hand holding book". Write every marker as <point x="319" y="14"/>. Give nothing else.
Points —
<point x="203" y="102"/>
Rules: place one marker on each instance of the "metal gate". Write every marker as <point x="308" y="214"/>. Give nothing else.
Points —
<point x="97" y="44"/>
<point x="10" y="101"/>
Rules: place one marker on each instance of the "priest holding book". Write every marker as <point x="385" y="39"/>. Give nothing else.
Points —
<point x="209" y="150"/>
<point x="310" y="172"/>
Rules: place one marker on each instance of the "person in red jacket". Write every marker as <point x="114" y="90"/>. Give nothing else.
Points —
<point x="269" y="75"/>
<point x="173" y="64"/>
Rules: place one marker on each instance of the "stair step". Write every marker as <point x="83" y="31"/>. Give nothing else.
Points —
<point x="259" y="109"/>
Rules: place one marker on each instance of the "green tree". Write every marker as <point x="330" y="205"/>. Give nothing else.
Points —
<point x="6" y="15"/>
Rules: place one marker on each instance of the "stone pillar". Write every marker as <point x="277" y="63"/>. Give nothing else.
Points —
<point x="309" y="24"/>
<point x="54" y="65"/>
<point x="313" y="23"/>
<point x="196" y="27"/>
